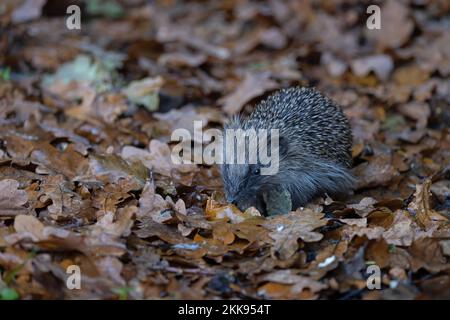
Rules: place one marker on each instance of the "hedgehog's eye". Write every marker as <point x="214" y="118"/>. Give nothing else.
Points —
<point x="256" y="171"/>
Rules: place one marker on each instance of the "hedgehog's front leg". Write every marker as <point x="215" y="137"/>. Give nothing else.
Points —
<point x="278" y="201"/>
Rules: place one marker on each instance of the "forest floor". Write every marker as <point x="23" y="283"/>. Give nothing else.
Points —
<point x="87" y="183"/>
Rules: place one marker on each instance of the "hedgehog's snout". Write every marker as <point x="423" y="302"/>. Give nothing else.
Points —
<point x="246" y="200"/>
<point x="231" y="199"/>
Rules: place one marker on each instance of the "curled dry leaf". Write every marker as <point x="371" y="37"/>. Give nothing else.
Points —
<point x="420" y="206"/>
<point x="151" y="204"/>
<point x="116" y="225"/>
<point x="215" y="211"/>
<point x="364" y="207"/>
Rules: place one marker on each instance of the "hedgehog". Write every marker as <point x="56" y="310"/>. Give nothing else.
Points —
<point x="314" y="153"/>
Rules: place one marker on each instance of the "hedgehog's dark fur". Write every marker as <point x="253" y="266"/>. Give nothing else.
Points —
<point x="315" y="150"/>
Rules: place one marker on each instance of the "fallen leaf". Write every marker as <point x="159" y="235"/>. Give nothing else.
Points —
<point x="396" y="28"/>
<point x="144" y="92"/>
<point x="377" y="172"/>
<point x="11" y="198"/>
<point x="287" y="229"/>
<point x="215" y="211"/>
<point x="252" y="86"/>
<point x="158" y="159"/>
<point x="151" y="204"/>
<point x="28" y="10"/>
<point x="420" y="206"/>
<point x="381" y="65"/>
<point x="29" y="225"/>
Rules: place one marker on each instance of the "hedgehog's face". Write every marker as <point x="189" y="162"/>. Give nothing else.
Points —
<point x="245" y="182"/>
<point x="242" y="185"/>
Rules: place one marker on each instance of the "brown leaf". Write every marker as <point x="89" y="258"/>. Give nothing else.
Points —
<point x="11" y="198"/>
<point x="252" y="86"/>
<point x="29" y="225"/>
<point x="427" y="253"/>
<point x="110" y="168"/>
<point x="168" y="33"/>
<point x="50" y="160"/>
<point x="28" y="10"/>
<point x="223" y="232"/>
<point x="364" y="207"/>
<point x="158" y="159"/>
<point x="420" y="206"/>
<point x="119" y="225"/>
<point x="379" y="171"/>
<point x="402" y="231"/>
<point x="215" y="211"/>
<point x="182" y="59"/>
<point x="396" y="26"/>
<point x="151" y="204"/>
<point x="287" y="229"/>
<point x="59" y="192"/>
<point x="381" y="65"/>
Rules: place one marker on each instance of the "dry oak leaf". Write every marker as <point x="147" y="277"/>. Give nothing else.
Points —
<point x="427" y="253"/>
<point x="11" y="198"/>
<point x="364" y="207"/>
<point x="154" y="206"/>
<point x="51" y="238"/>
<point x="64" y="202"/>
<point x="299" y="282"/>
<point x="420" y="206"/>
<point x="215" y="211"/>
<point x="253" y="85"/>
<point x="402" y="231"/>
<point x="305" y="288"/>
<point x="157" y="158"/>
<point x="287" y="229"/>
<point x="50" y="160"/>
<point x="151" y="203"/>
<point x="112" y="168"/>
<point x="117" y="225"/>
<point x="223" y="233"/>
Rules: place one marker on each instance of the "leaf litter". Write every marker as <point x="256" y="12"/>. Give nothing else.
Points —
<point x="86" y="176"/>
